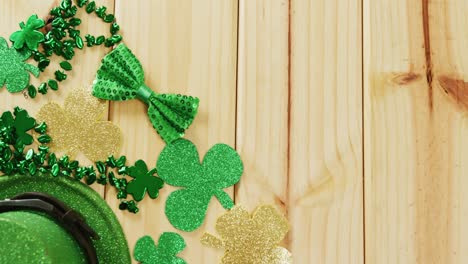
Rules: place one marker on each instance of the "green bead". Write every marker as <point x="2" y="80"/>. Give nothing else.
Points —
<point x="100" y="40"/>
<point x="132" y="207"/>
<point x="70" y="12"/>
<point x="81" y="3"/>
<point x="73" y="165"/>
<point x="123" y="171"/>
<point x="56" y="11"/>
<point x="114" y="28"/>
<point x="90" y="7"/>
<point x="101" y="167"/>
<point x="122" y="194"/>
<point x="66" y="65"/>
<point x="121" y="161"/>
<point x="73" y="33"/>
<point x="79" y="42"/>
<point x="102" y="179"/>
<point x="74" y="21"/>
<point x="101" y="11"/>
<point x="109" y="18"/>
<point x="29" y="154"/>
<point x="58" y="23"/>
<point x="90" y="40"/>
<point x="112" y="178"/>
<point x="65" y="4"/>
<point x="91" y="178"/>
<point x="55" y="170"/>
<point x="42" y="88"/>
<point x="44" y="139"/>
<point x="80" y="173"/>
<point x="32" y="92"/>
<point x="108" y="43"/>
<point x="52" y="159"/>
<point x="60" y="76"/>
<point x="111" y="162"/>
<point x="43" y="150"/>
<point x="43" y="63"/>
<point x="53" y="84"/>
<point x="32" y="168"/>
<point x="41" y="128"/>
<point x="116" y="38"/>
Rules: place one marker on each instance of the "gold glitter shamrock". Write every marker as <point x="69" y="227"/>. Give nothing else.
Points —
<point x="251" y="240"/>
<point x="13" y="70"/>
<point x="78" y="127"/>
<point x="143" y="181"/>
<point x="169" y="245"/>
<point x="29" y="34"/>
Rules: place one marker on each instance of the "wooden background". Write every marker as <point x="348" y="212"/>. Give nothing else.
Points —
<point x="350" y="115"/>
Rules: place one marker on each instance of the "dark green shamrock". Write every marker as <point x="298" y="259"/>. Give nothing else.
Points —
<point x="19" y="125"/>
<point x="179" y="165"/>
<point x="13" y="69"/>
<point x="169" y="245"/>
<point x="29" y="34"/>
<point x="143" y="181"/>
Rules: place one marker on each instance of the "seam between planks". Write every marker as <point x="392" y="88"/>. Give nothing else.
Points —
<point x="236" y="105"/>
<point x="363" y="141"/>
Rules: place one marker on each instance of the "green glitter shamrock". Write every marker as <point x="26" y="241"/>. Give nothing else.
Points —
<point x="169" y="245"/>
<point x="29" y="34"/>
<point x="143" y="181"/>
<point x="179" y="165"/>
<point x="19" y="125"/>
<point x="13" y="69"/>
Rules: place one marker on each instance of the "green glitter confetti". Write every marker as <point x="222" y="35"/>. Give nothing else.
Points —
<point x="121" y="78"/>
<point x="29" y="34"/>
<point x="179" y="165"/>
<point x="169" y="245"/>
<point x="13" y="69"/>
<point x="144" y="181"/>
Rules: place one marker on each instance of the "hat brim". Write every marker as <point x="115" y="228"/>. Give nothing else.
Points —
<point x="112" y="247"/>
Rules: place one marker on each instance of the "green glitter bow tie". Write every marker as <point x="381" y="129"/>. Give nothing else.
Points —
<point x="121" y="77"/>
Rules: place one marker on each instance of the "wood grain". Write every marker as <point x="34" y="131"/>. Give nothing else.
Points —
<point x="325" y="158"/>
<point x="262" y="103"/>
<point x="413" y="136"/>
<point x="184" y="47"/>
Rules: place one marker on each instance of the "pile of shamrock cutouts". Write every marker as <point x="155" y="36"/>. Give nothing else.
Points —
<point x="29" y="146"/>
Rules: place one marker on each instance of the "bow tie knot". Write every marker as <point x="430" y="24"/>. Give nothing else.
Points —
<point x="121" y="77"/>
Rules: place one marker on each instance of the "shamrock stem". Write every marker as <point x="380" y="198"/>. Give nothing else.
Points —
<point x="32" y="69"/>
<point x="224" y="199"/>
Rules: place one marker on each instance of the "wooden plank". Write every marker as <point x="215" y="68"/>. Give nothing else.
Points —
<point x="262" y="104"/>
<point x="325" y="171"/>
<point x="396" y="98"/>
<point x="443" y="215"/>
<point x="85" y="63"/>
<point x="414" y="137"/>
<point x="187" y="48"/>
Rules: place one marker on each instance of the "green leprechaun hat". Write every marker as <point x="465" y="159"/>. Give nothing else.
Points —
<point x="45" y="219"/>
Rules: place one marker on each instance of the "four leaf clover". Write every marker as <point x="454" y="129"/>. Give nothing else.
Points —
<point x="29" y="34"/>
<point x="169" y="245"/>
<point x="144" y="181"/>
<point x="13" y="70"/>
<point x="251" y="239"/>
<point x="179" y="165"/>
